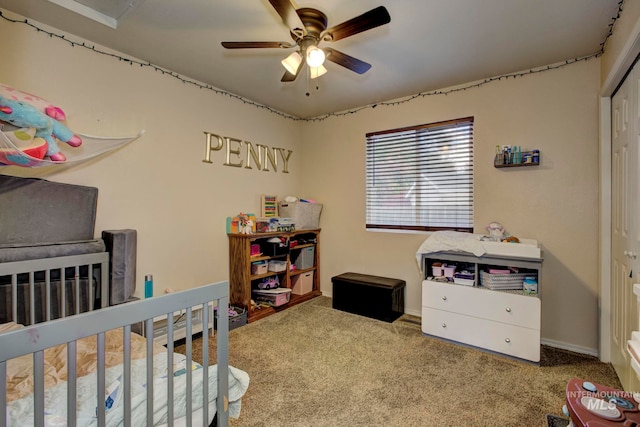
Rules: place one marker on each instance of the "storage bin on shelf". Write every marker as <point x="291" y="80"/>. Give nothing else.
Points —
<point x="259" y="267"/>
<point x="502" y="281"/>
<point x="274" y="297"/>
<point x="277" y="265"/>
<point x="465" y="278"/>
<point x="302" y="283"/>
<point x="306" y="216"/>
<point x="305" y="258"/>
<point x="436" y="270"/>
<point x="446" y="270"/>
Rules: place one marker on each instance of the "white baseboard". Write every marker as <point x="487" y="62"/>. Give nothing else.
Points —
<point x="416" y="313"/>
<point x="570" y="347"/>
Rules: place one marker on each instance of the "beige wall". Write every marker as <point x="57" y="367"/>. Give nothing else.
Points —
<point x="158" y="184"/>
<point x="555" y="203"/>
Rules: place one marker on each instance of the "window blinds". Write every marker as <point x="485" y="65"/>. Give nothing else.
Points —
<point x="421" y="177"/>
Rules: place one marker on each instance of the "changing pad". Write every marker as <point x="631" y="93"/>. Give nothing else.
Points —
<point x="441" y="241"/>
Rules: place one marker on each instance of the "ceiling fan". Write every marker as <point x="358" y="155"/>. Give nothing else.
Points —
<point x="308" y="28"/>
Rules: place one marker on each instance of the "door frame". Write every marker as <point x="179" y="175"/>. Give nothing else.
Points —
<point x="623" y="63"/>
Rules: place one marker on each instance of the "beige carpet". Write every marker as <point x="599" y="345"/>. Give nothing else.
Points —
<point x="311" y="365"/>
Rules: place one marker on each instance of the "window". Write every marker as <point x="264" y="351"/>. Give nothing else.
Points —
<point x="421" y="177"/>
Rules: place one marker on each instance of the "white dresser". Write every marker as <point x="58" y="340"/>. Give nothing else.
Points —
<point x="506" y="322"/>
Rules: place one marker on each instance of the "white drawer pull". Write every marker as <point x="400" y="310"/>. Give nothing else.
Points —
<point x="444" y="325"/>
<point x="507" y="340"/>
<point x="508" y="309"/>
<point x="444" y="298"/>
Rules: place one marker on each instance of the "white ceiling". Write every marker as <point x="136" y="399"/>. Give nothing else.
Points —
<point x="429" y="44"/>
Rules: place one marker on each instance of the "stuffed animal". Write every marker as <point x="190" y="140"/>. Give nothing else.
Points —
<point x="496" y="231"/>
<point x="245" y="224"/>
<point x="25" y="115"/>
<point x="28" y="98"/>
<point x="25" y="142"/>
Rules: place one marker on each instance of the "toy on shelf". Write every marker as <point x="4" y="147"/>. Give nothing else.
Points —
<point x="269" y="206"/>
<point x="241" y="223"/>
<point x="245" y="224"/>
<point x="497" y="233"/>
<point x="269" y="283"/>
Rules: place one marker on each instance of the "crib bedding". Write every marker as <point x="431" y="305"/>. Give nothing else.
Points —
<point x="20" y="383"/>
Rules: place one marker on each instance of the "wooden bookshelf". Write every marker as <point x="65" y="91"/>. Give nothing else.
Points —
<point x="242" y="281"/>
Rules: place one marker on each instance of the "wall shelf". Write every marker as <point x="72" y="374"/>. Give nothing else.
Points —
<point x="515" y="165"/>
<point x="524" y="159"/>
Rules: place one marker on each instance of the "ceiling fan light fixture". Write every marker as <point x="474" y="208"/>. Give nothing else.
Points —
<point x="315" y="57"/>
<point x="309" y="27"/>
<point x="316" y="72"/>
<point x="292" y="62"/>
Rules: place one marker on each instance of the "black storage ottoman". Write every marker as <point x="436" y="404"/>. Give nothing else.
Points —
<point x="377" y="297"/>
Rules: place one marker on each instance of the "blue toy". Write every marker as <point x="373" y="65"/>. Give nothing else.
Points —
<point x="24" y="115"/>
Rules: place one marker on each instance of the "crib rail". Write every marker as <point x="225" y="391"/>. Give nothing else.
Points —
<point x="44" y="298"/>
<point x="35" y="339"/>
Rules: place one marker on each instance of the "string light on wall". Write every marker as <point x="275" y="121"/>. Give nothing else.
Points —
<point x="318" y="70"/>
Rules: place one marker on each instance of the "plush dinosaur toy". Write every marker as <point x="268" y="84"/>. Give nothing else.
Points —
<point x="24" y="115"/>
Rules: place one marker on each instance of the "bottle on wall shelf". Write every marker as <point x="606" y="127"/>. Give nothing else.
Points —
<point x="514" y="156"/>
<point x="499" y="157"/>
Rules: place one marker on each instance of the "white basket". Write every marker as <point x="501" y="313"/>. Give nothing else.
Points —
<point x="306" y="216"/>
<point x="277" y="266"/>
<point x="502" y="281"/>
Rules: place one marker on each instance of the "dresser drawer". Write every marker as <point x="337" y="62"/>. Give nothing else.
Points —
<point x="495" y="336"/>
<point x="504" y="307"/>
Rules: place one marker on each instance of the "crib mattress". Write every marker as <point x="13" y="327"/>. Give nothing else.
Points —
<point x="20" y="384"/>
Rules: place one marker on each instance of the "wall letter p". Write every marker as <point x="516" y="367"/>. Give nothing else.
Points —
<point x="210" y="147"/>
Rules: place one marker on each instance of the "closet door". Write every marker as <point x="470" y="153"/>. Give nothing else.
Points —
<point x="624" y="211"/>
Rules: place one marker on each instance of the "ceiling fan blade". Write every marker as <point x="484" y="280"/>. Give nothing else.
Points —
<point x="288" y="77"/>
<point x="287" y="11"/>
<point x="259" y="45"/>
<point x="368" y="20"/>
<point x="346" y="61"/>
